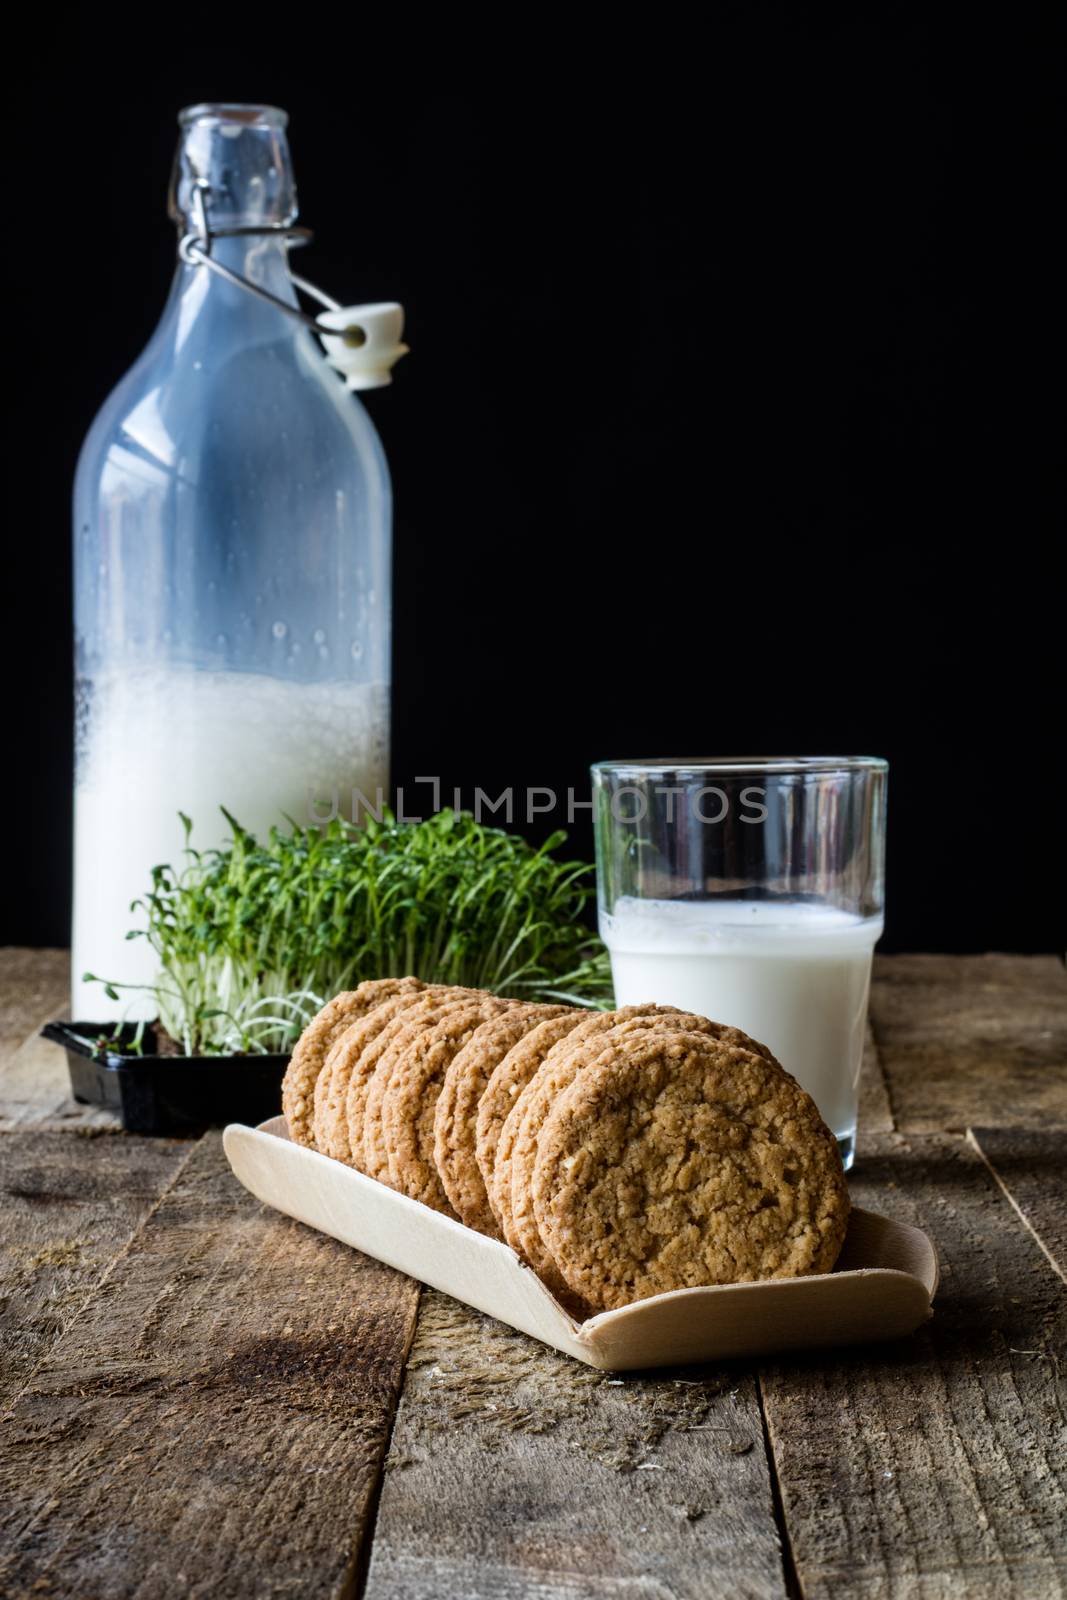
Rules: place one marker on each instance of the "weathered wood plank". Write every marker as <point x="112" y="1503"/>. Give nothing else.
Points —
<point x="68" y="1205"/>
<point x="1031" y="1168"/>
<point x="212" y="1419"/>
<point x="34" y="1085"/>
<point x="35" y="1091"/>
<point x="34" y="986"/>
<point x="875" y="1112"/>
<point x="938" y="1466"/>
<point x="972" y="1040"/>
<point x="213" y="1423"/>
<point x="514" y="1471"/>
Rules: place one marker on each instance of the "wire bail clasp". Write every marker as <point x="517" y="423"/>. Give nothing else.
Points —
<point x="363" y="343"/>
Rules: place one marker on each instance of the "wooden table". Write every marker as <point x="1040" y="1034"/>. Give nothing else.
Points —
<point x="205" y="1398"/>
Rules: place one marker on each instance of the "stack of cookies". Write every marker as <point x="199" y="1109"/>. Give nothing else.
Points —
<point x="621" y="1154"/>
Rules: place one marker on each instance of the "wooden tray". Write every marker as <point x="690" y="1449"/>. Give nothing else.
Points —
<point x="882" y="1286"/>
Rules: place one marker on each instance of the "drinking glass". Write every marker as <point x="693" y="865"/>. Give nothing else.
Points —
<point x="750" y="890"/>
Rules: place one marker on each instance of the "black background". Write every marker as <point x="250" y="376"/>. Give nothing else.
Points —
<point x="730" y="424"/>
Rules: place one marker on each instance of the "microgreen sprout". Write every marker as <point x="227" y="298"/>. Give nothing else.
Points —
<point x="252" y="939"/>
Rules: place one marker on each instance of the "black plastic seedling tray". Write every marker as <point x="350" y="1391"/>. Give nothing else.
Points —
<point x="166" y="1094"/>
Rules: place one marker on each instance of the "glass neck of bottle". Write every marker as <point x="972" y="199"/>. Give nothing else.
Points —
<point x="263" y="258"/>
<point x="232" y="173"/>
<point x="232" y="167"/>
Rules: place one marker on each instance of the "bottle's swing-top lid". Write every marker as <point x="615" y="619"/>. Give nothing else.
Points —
<point x="366" y="362"/>
<point x="232" y="175"/>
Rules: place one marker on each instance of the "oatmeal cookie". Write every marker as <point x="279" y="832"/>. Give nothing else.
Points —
<point x="455" y="1119"/>
<point x="559" y="1070"/>
<point x="506" y="1083"/>
<point x="678" y="1159"/>
<point x="345" y="1061"/>
<point x="409" y="1099"/>
<point x="316" y="1041"/>
<point x="368" y="1085"/>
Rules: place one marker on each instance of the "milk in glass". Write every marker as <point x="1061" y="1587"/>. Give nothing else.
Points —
<point x="793" y="974"/>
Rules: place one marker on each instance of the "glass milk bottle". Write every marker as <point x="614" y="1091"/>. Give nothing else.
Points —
<point x="232" y="561"/>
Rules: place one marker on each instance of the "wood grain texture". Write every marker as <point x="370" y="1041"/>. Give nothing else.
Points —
<point x="34" y="987"/>
<point x="213" y="1422"/>
<point x="1031" y="1168"/>
<point x="972" y="1041"/>
<point x="34" y="1083"/>
<point x="875" y="1112"/>
<point x="67" y="1207"/>
<point x="35" y="1091"/>
<point x="938" y="1466"/>
<point x="202" y="1391"/>
<point x="515" y="1472"/>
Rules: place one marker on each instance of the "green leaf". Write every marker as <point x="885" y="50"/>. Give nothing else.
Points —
<point x="244" y="935"/>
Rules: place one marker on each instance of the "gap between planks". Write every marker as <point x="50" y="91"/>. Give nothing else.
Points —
<point x="1013" y="1361"/>
<point x="514" y="1471"/>
<point x="807" y="1553"/>
<point x="215" y="1417"/>
<point x="1041" y="1208"/>
<point x="790" y="1576"/>
<point x="937" y="1464"/>
<point x="355" y="1585"/>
